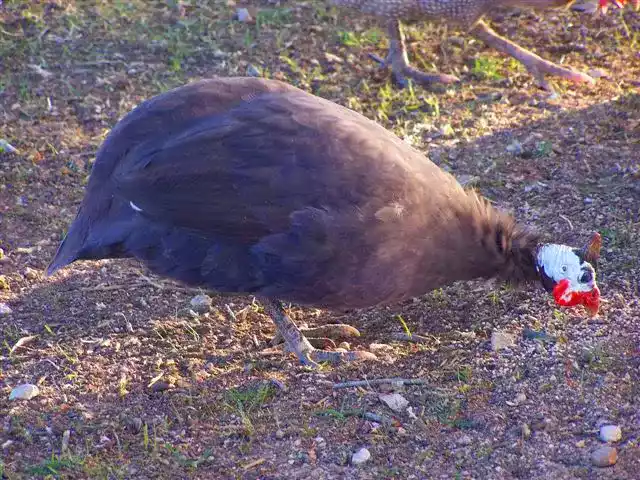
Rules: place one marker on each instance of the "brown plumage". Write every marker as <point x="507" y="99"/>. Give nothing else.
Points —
<point x="254" y="186"/>
<point x="465" y="14"/>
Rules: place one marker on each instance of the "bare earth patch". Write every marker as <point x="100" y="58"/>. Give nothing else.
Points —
<point x="134" y="385"/>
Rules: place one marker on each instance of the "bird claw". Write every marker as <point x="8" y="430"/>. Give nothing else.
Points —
<point x="339" y="357"/>
<point x="428" y="78"/>
<point x="312" y="357"/>
<point x="403" y="72"/>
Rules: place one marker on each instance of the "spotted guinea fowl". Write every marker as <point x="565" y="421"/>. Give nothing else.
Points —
<point x="252" y="186"/>
<point x="468" y="15"/>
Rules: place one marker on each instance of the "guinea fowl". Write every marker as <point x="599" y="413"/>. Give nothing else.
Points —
<point x="252" y="186"/>
<point x="468" y="15"/>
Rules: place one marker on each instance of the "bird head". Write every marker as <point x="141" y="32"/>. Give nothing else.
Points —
<point x="567" y="273"/>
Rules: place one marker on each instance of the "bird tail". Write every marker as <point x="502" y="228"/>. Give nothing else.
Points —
<point x="72" y="244"/>
<point x="100" y="230"/>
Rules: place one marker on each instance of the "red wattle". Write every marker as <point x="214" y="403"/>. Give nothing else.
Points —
<point x="564" y="298"/>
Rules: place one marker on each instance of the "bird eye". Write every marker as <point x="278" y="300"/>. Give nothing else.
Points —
<point x="586" y="277"/>
<point x="564" y="269"/>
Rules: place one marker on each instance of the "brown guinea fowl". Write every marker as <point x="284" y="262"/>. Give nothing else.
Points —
<point x="253" y="186"/>
<point x="468" y="15"/>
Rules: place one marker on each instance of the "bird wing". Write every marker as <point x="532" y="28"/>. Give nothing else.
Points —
<point x="242" y="174"/>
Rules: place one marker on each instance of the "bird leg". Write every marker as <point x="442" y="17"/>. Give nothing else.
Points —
<point x="537" y="66"/>
<point x="398" y="60"/>
<point x="298" y="343"/>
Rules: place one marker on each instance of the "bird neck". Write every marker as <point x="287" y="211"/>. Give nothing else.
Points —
<point x="500" y="248"/>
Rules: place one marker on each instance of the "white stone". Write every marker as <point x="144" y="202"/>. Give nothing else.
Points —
<point x="243" y="15"/>
<point x="610" y="433"/>
<point x="201" y="303"/>
<point x="5" y="309"/>
<point x="24" y="392"/>
<point x="500" y="340"/>
<point x="394" y="401"/>
<point x="604" y="456"/>
<point x="361" y="456"/>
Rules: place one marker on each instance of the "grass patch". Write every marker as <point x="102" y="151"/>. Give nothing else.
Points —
<point x="486" y="68"/>
<point x="56" y="466"/>
<point x="245" y="401"/>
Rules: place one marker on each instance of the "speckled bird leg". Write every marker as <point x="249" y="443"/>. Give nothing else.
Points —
<point x="537" y="66"/>
<point x="398" y="60"/>
<point x="298" y="344"/>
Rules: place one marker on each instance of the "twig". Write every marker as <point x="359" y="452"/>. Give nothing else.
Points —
<point x="106" y="288"/>
<point x="356" y="412"/>
<point x="227" y="308"/>
<point x="97" y="63"/>
<point x="51" y="362"/>
<point x="160" y="286"/>
<point x="378" y="381"/>
<point x="566" y="220"/>
<point x="151" y="282"/>
<point x="374" y="417"/>
<point x="411" y="338"/>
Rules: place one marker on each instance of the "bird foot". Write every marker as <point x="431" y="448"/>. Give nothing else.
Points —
<point x="297" y="343"/>
<point x="313" y="357"/>
<point x="423" y="78"/>
<point x="323" y="335"/>
<point x="402" y="72"/>
<point x="539" y="70"/>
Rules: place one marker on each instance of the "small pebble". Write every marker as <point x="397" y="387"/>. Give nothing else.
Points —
<point x="243" y="15"/>
<point x="464" y="440"/>
<point x="5" y="309"/>
<point x="604" y="456"/>
<point x="520" y="398"/>
<point x="394" y="401"/>
<point x="31" y="273"/>
<point x="610" y="433"/>
<point x="65" y="441"/>
<point x="279" y="434"/>
<point x="331" y="58"/>
<point x="598" y="73"/>
<point x="24" y="392"/>
<point x="135" y="424"/>
<point x="344" y="345"/>
<point x="201" y="303"/>
<point x="253" y="71"/>
<point x="526" y="431"/>
<point x="581" y="443"/>
<point x="361" y="456"/>
<point x="500" y="340"/>
<point x="160" y="387"/>
<point x="515" y="147"/>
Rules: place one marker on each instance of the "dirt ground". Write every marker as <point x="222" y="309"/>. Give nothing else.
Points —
<point x="133" y="385"/>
